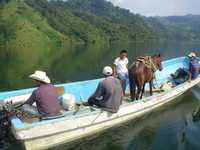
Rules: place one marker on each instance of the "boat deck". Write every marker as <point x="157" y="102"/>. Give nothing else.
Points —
<point x="83" y="110"/>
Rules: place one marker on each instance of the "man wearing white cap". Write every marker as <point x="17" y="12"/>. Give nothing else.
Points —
<point x="194" y="65"/>
<point x="108" y="94"/>
<point x="45" y="96"/>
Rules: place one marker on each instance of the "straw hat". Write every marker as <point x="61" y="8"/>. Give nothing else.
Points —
<point x="40" y="76"/>
<point x="192" y="54"/>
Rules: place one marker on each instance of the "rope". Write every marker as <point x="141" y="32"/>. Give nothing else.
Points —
<point x="147" y="61"/>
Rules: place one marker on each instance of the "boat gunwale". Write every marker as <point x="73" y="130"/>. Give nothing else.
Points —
<point x="93" y="124"/>
<point x="69" y="115"/>
<point x="142" y="109"/>
<point x="162" y="98"/>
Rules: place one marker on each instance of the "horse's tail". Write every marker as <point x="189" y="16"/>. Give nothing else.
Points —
<point x="132" y="84"/>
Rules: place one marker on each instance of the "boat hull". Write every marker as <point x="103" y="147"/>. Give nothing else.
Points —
<point x="74" y="125"/>
<point x="92" y="124"/>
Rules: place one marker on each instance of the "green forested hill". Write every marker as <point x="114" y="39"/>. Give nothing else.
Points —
<point x="84" y="21"/>
<point x="25" y="36"/>
<point x="70" y="22"/>
<point x="188" y="25"/>
<point x="31" y="31"/>
<point x="92" y="20"/>
<point x="181" y="28"/>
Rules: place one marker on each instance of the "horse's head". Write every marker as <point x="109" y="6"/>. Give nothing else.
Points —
<point x="157" y="61"/>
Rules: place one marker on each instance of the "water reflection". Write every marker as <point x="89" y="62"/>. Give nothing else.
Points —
<point x="79" y="62"/>
<point x="196" y="113"/>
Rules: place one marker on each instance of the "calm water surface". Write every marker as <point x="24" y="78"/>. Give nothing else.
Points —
<point x="79" y="62"/>
<point x="169" y="128"/>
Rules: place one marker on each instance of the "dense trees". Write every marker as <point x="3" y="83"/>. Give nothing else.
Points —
<point x="97" y="21"/>
<point x="31" y="31"/>
<point x="92" y="20"/>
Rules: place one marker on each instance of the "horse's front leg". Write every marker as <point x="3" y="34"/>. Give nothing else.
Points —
<point x="132" y="88"/>
<point x="132" y="92"/>
<point x="138" y="92"/>
<point x="142" y="91"/>
<point x="150" y="87"/>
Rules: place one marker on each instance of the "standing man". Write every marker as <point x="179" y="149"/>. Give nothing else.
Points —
<point x="121" y="69"/>
<point x="194" y="66"/>
<point x="45" y="96"/>
<point x="108" y="94"/>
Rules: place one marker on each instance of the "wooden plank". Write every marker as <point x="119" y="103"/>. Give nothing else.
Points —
<point x="60" y="90"/>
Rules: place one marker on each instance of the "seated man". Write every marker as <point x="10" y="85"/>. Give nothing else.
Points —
<point x="194" y="65"/>
<point x="108" y="94"/>
<point x="45" y="96"/>
<point x="180" y="76"/>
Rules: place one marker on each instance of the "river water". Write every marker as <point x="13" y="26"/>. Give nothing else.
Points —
<point x="168" y="128"/>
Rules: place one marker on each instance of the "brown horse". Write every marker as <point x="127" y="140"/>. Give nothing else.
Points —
<point x="140" y="74"/>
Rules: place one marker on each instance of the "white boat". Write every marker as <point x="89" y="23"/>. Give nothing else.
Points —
<point x="76" y="124"/>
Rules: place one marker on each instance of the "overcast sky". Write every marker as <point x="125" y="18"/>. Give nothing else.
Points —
<point x="160" y="7"/>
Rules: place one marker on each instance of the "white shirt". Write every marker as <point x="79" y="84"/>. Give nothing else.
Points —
<point x="121" y="65"/>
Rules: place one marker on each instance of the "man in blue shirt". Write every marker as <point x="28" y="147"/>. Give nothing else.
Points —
<point x="194" y="65"/>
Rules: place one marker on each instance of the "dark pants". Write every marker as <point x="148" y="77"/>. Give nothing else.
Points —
<point x="195" y="74"/>
<point x="179" y="81"/>
<point x="32" y="111"/>
<point x="96" y="102"/>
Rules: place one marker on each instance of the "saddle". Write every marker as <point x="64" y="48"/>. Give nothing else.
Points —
<point x="147" y="61"/>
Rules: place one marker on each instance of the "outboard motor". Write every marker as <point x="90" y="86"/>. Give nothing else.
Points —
<point x="6" y="111"/>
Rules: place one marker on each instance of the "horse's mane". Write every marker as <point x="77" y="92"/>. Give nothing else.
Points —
<point x="156" y="55"/>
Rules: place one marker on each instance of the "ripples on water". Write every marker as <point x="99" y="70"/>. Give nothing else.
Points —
<point x="169" y="128"/>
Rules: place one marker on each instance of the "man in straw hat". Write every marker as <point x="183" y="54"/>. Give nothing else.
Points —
<point x="45" y="96"/>
<point x="194" y="65"/>
<point x="108" y="94"/>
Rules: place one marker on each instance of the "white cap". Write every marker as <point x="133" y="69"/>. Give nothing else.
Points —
<point x="107" y="70"/>
<point x="192" y="54"/>
<point x="40" y="76"/>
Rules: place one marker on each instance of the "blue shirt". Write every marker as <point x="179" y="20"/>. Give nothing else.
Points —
<point x="194" y="67"/>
